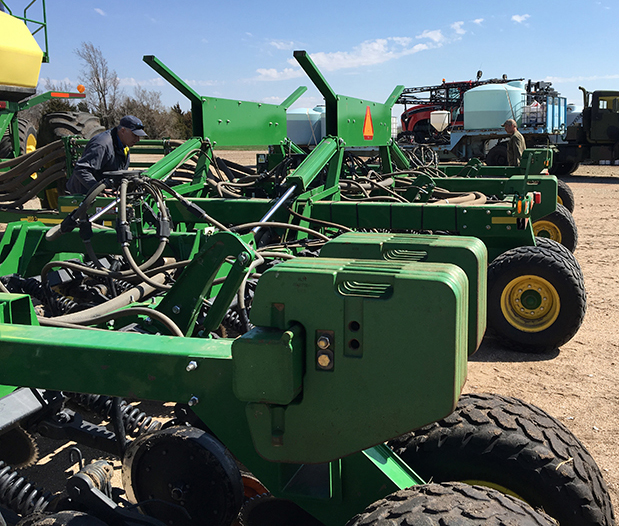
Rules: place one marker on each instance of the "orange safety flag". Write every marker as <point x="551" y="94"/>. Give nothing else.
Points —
<point x="368" y="127"/>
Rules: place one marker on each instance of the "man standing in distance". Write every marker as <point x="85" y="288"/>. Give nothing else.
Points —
<point x="516" y="143"/>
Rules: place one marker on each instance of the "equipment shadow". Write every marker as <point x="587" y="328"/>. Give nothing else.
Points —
<point x="596" y="179"/>
<point x="492" y="350"/>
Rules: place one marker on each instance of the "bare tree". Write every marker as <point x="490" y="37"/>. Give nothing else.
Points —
<point x="102" y="84"/>
<point x="158" y="121"/>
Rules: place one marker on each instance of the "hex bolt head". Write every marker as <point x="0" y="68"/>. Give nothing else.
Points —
<point x="193" y="401"/>
<point x="191" y="366"/>
<point x="176" y="309"/>
<point x="323" y="342"/>
<point x="243" y="258"/>
<point x="324" y="360"/>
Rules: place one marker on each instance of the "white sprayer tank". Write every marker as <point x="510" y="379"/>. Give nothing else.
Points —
<point x="490" y="105"/>
<point x="306" y="127"/>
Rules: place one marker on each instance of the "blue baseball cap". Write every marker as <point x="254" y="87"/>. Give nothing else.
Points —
<point x="134" y="124"/>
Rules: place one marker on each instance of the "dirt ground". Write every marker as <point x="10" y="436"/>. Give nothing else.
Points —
<point x="577" y="384"/>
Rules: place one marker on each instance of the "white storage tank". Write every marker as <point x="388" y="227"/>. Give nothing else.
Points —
<point x="305" y="125"/>
<point x="490" y="105"/>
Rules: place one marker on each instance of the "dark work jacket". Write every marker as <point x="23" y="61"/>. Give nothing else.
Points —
<point x="103" y="153"/>
<point x="515" y="147"/>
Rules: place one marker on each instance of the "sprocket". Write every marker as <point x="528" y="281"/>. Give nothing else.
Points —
<point x="18" y="448"/>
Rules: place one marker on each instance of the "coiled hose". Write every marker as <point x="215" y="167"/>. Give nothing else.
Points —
<point x="17" y="184"/>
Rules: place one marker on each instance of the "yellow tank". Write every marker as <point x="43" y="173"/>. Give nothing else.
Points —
<point x="20" y="55"/>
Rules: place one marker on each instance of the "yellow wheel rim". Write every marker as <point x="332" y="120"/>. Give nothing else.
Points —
<point x="530" y="303"/>
<point x="559" y="200"/>
<point x="492" y="485"/>
<point x="31" y="144"/>
<point x="544" y="228"/>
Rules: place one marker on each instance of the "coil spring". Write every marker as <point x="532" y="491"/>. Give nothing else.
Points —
<point x="136" y="422"/>
<point x="232" y="321"/>
<point x="59" y="303"/>
<point x="100" y="473"/>
<point x="18" y="495"/>
<point x="122" y="286"/>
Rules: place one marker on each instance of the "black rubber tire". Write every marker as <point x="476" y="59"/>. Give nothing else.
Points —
<point x="560" y="226"/>
<point x="27" y="136"/>
<point x="563" y="168"/>
<point x="565" y="196"/>
<point x="65" y="123"/>
<point x="207" y="478"/>
<point x="452" y="504"/>
<point x="497" y="155"/>
<point x="561" y="307"/>
<point x="27" y="140"/>
<point x="567" y="256"/>
<point x="6" y="147"/>
<point x="516" y="446"/>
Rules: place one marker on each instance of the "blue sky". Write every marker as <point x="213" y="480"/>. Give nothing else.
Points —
<point x="244" y="49"/>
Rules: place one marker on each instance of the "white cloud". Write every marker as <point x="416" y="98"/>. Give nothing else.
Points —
<point x="100" y="11"/>
<point x="520" y="18"/>
<point x="367" y="53"/>
<point x="478" y="21"/>
<point x="436" y="35"/>
<point x="581" y="78"/>
<point x="282" y="45"/>
<point x="457" y="27"/>
<point x="274" y="74"/>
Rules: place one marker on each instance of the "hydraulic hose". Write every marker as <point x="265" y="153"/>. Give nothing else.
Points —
<point x="287" y="226"/>
<point x="92" y="316"/>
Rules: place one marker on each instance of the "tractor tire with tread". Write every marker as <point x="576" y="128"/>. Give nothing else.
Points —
<point x="27" y="140"/>
<point x="503" y="442"/>
<point x="560" y="226"/>
<point x="565" y="196"/>
<point x="66" y="123"/>
<point x="497" y="155"/>
<point x="563" y="168"/>
<point x="452" y="504"/>
<point x="536" y="299"/>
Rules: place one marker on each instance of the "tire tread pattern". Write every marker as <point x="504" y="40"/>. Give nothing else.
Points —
<point x="452" y="504"/>
<point x="520" y="447"/>
<point x="562" y="272"/>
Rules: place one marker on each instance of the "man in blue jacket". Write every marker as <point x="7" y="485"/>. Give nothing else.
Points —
<point x="105" y="152"/>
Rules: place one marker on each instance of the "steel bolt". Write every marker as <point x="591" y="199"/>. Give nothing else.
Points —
<point x="176" y="309"/>
<point x="191" y="366"/>
<point x="324" y="360"/>
<point x="323" y="342"/>
<point x="193" y="401"/>
<point x="243" y="258"/>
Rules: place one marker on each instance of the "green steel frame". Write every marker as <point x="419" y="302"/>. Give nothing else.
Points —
<point x="269" y="396"/>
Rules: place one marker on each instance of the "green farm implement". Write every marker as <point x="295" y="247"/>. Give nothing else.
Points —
<point x="535" y="290"/>
<point x="314" y="344"/>
<point x="301" y="403"/>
